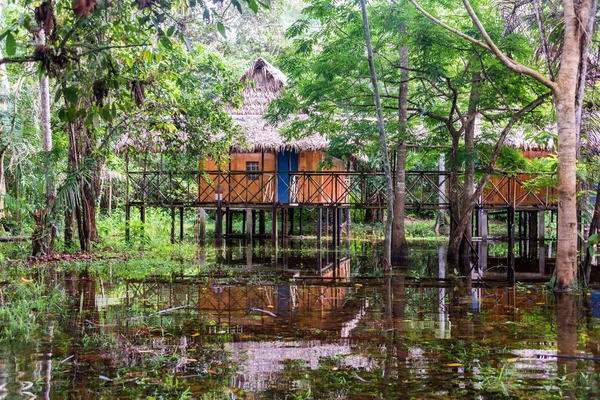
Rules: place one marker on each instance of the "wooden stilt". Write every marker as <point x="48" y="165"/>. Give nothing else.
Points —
<point x="511" y="244"/>
<point x="284" y="226"/>
<point x="253" y="222"/>
<point x="291" y="216"/>
<point x="300" y="222"/>
<point x="249" y="225"/>
<point x="228" y="223"/>
<point x="244" y="223"/>
<point x="127" y="224"/>
<point x="202" y="226"/>
<point x="339" y="226"/>
<point x="274" y="228"/>
<point x="261" y="222"/>
<point x="181" y="213"/>
<point x="219" y="225"/>
<point x="483" y="224"/>
<point x="172" y="225"/>
<point x="542" y="226"/>
<point x="348" y="221"/>
<point x="334" y="228"/>
<point x="319" y="226"/>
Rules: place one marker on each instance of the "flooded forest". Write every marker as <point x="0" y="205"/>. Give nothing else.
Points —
<point x="299" y="199"/>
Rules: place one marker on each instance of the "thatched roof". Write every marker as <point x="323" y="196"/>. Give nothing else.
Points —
<point x="520" y="140"/>
<point x="263" y="84"/>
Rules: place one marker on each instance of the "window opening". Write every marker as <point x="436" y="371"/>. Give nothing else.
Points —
<point x="252" y="166"/>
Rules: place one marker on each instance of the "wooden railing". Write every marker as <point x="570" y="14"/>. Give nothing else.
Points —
<point x="425" y="189"/>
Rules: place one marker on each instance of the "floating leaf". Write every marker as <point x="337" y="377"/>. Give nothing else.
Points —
<point x="454" y="365"/>
<point x="512" y="360"/>
<point x="195" y="334"/>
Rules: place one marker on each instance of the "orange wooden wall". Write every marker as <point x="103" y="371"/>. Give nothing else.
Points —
<point x="237" y="188"/>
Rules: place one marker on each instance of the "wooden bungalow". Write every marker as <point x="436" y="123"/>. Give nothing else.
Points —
<point x="509" y="191"/>
<point x="266" y="168"/>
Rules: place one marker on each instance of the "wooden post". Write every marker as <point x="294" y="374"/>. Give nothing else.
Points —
<point x="253" y="222"/>
<point x="284" y="225"/>
<point x="249" y="225"/>
<point x="327" y="221"/>
<point x="274" y="226"/>
<point x="228" y="223"/>
<point x="348" y="231"/>
<point x="339" y="225"/>
<point x="300" y="221"/>
<point x="334" y="228"/>
<point x="180" y="224"/>
<point x="533" y="225"/>
<point x="172" y="225"/>
<point x="127" y="224"/>
<point x="202" y="226"/>
<point x="219" y="225"/>
<point x="319" y="226"/>
<point x="510" y="211"/>
<point x="483" y="224"/>
<point x="244" y="223"/>
<point x="348" y="221"/>
<point x="542" y="226"/>
<point x="291" y="215"/>
<point x="261" y="221"/>
<point x="143" y="217"/>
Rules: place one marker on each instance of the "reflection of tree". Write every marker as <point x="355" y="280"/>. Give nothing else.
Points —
<point x="567" y="310"/>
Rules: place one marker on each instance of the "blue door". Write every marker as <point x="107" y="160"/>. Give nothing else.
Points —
<point x="287" y="161"/>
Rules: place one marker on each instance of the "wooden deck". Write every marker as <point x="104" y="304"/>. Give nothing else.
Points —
<point x="426" y="190"/>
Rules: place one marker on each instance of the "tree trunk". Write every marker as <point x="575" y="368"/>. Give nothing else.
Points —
<point x="399" y="243"/>
<point x="80" y="151"/>
<point x="2" y="186"/>
<point x="454" y="244"/>
<point x="46" y="230"/>
<point x="387" y="256"/>
<point x="565" y="94"/>
<point x="69" y="228"/>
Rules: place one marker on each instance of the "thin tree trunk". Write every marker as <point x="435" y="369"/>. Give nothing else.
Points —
<point x="462" y="223"/>
<point x="3" y="191"/>
<point x="46" y="230"/>
<point x="382" y="140"/>
<point x="69" y="228"/>
<point x="399" y="243"/>
<point x="576" y="21"/>
<point x="469" y="187"/>
<point x="454" y="245"/>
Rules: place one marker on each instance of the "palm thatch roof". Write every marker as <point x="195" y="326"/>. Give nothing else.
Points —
<point x="263" y="84"/>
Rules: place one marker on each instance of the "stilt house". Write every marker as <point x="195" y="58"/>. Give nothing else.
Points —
<point x="266" y="168"/>
<point x="505" y="191"/>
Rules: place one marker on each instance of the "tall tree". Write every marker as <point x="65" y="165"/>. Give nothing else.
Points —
<point x="387" y="252"/>
<point x="578" y="20"/>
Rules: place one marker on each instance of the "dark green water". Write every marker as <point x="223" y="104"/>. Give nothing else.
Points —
<point x="291" y="326"/>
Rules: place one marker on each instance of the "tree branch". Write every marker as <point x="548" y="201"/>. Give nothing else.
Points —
<point x="14" y="60"/>
<point x="509" y="63"/>
<point x="488" y="45"/>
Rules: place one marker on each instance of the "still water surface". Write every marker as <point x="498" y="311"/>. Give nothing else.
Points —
<point x="318" y="324"/>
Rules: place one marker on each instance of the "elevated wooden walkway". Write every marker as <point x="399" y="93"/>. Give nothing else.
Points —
<point x="426" y="190"/>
